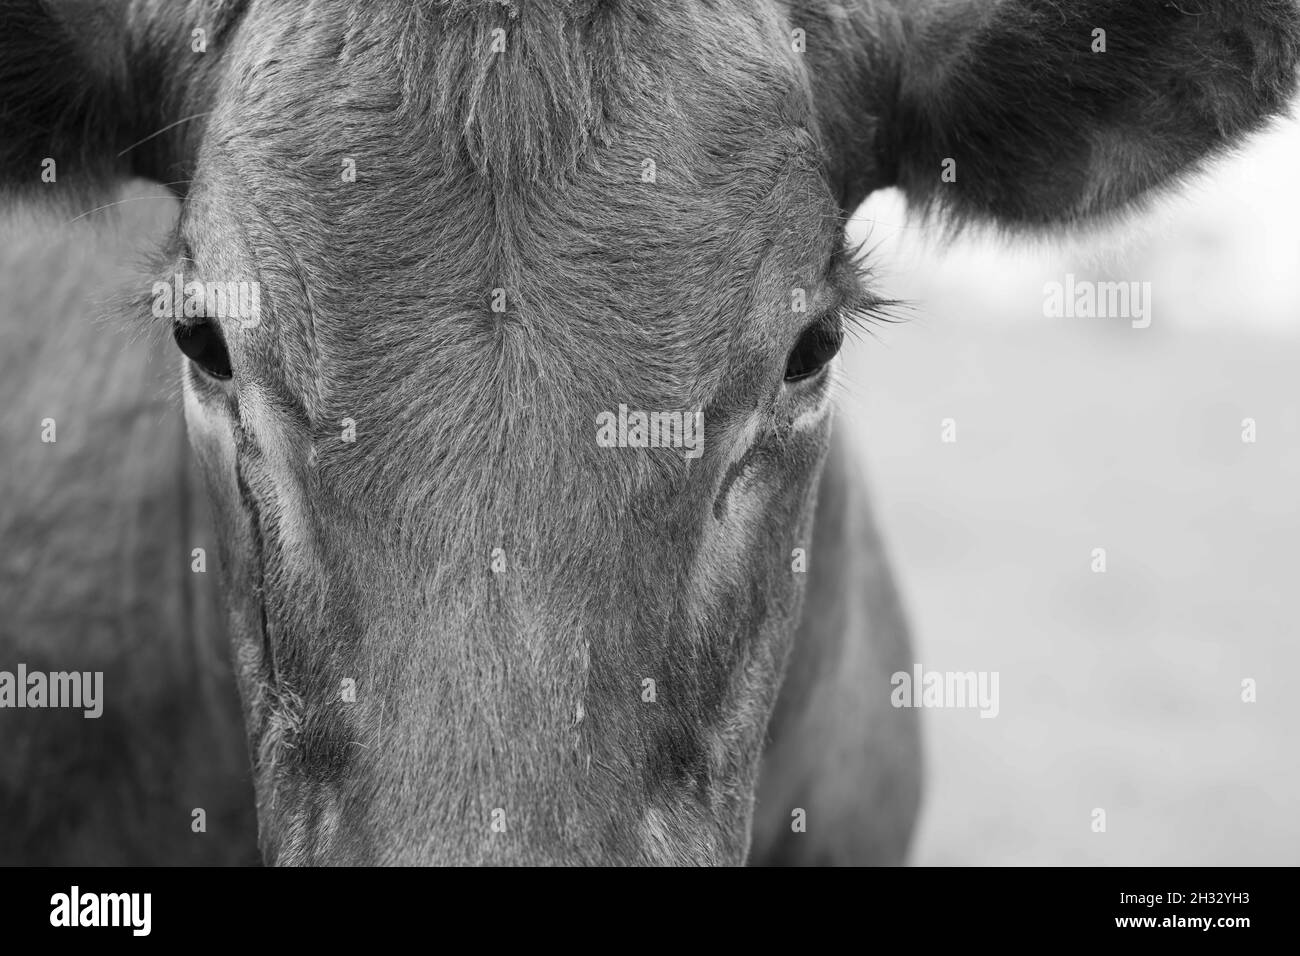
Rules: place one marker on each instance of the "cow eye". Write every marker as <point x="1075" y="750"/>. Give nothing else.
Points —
<point x="202" y="343"/>
<point x="817" y="345"/>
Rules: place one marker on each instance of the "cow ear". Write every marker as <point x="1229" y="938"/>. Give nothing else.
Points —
<point x="95" y="91"/>
<point x="1032" y="113"/>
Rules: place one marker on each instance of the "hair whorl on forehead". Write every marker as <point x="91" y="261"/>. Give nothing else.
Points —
<point x="523" y="90"/>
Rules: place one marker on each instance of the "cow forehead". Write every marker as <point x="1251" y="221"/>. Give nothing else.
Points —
<point x="515" y="96"/>
<point x="604" y="197"/>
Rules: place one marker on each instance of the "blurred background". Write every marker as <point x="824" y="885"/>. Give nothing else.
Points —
<point x="1119" y="690"/>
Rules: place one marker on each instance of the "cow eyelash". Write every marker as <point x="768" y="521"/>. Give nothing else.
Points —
<point x="858" y="308"/>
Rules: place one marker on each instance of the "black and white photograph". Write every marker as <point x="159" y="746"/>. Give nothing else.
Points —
<point x="638" y="433"/>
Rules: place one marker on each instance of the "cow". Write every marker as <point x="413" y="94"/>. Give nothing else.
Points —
<point x="473" y="613"/>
